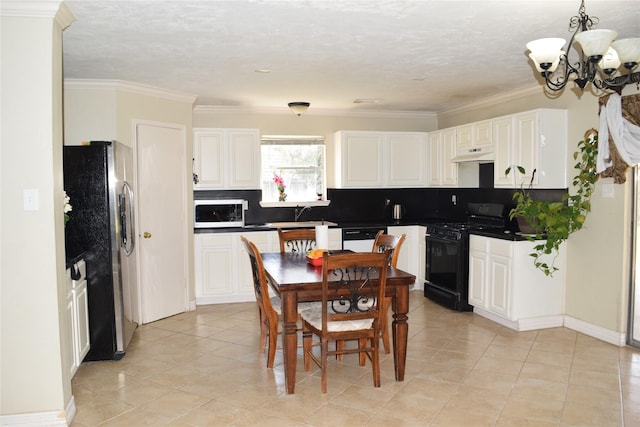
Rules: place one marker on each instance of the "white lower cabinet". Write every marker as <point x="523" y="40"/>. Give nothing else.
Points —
<point x="222" y="269"/>
<point x="78" y="316"/>
<point x="505" y="286"/>
<point x="412" y="256"/>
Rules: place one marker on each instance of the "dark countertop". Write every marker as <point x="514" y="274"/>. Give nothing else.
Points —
<point x="500" y="233"/>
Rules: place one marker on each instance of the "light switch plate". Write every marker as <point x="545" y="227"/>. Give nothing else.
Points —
<point x="607" y="190"/>
<point x="30" y="199"/>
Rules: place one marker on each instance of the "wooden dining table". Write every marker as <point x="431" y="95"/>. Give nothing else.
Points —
<point x="295" y="280"/>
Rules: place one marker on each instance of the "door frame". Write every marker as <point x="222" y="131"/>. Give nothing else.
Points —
<point x="188" y="224"/>
<point x="634" y="287"/>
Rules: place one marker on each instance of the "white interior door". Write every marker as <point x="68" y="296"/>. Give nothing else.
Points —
<point x="162" y="213"/>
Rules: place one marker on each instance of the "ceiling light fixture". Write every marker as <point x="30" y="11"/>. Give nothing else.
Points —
<point x="600" y="57"/>
<point x="299" y="108"/>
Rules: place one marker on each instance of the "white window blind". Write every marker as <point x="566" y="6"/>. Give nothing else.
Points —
<point x="299" y="160"/>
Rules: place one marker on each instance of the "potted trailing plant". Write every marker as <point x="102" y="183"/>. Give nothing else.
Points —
<point x="553" y="222"/>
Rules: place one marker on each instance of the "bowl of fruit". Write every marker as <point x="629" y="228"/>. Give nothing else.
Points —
<point x="314" y="257"/>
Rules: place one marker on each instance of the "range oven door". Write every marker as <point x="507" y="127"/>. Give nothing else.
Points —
<point x="447" y="272"/>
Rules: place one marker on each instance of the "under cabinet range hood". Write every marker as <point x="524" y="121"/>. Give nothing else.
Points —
<point x="476" y="154"/>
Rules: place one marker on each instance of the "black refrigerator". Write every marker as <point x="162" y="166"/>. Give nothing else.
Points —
<point x="98" y="178"/>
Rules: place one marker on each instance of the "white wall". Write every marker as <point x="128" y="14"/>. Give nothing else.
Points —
<point x="34" y="329"/>
<point x="597" y="264"/>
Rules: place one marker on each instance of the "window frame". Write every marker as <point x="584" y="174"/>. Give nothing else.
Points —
<point x="296" y="140"/>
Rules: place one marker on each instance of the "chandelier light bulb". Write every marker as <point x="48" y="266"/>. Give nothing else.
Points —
<point x="609" y="61"/>
<point x="595" y="43"/>
<point x="546" y="52"/>
<point x="628" y="51"/>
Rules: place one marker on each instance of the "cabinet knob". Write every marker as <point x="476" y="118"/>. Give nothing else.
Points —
<point x="146" y="235"/>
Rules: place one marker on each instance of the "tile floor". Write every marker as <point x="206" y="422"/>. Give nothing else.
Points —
<point x="202" y="368"/>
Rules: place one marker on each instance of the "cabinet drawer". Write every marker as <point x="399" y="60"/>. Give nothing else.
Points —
<point x="478" y="243"/>
<point x="214" y="239"/>
<point x="500" y="247"/>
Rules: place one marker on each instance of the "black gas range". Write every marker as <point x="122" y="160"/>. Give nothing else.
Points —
<point x="447" y="254"/>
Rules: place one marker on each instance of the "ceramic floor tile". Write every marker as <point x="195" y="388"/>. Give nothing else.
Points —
<point x="203" y="368"/>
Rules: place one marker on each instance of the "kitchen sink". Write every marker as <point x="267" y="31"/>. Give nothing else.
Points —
<point x="299" y="224"/>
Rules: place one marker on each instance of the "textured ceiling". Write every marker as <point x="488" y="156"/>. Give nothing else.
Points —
<point x="419" y="55"/>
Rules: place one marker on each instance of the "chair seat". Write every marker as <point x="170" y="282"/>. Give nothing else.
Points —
<point x="276" y="303"/>
<point x="313" y="316"/>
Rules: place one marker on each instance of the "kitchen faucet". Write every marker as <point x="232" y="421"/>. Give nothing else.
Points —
<point x="299" y="211"/>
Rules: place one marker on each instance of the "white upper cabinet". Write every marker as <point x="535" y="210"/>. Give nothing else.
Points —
<point x="380" y="159"/>
<point x="474" y="137"/>
<point x="535" y="140"/>
<point x="442" y="148"/>
<point x="226" y="158"/>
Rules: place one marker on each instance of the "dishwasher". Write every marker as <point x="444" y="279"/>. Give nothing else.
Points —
<point x="360" y="239"/>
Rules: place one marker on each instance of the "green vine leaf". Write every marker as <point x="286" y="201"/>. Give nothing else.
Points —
<point x="555" y="221"/>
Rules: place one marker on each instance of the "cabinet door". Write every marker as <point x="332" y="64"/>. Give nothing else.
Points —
<point x="244" y="158"/>
<point x="449" y="169"/>
<point x="477" y="278"/>
<point x="362" y="165"/>
<point x="527" y="146"/>
<point x="406" y="158"/>
<point x="245" y="274"/>
<point x="208" y="158"/>
<point x="213" y="258"/>
<point x="483" y="134"/>
<point x="504" y="145"/>
<point x="409" y="251"/>
<point x="82" y="320"/>
<point x="73" y="354"/>
<point x="435" y="167"/>
<point x="499" y="284"/>
<point x="464" y="137"/>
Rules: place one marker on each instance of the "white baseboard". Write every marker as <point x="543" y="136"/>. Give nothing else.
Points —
<point x="606" y="335"/>
<point x="544" y="322"/>
<point x="42" y="419"/>
<point x="495" y="318"/>
<point x="192" y="305"/>
<point x="224" y="299"/>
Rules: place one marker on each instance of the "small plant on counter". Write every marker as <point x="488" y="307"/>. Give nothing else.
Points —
<point x="553" y="222"/>
<point x="282" y="196"/>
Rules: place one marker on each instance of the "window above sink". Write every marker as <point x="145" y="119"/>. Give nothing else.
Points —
<point x="296" y="161"/>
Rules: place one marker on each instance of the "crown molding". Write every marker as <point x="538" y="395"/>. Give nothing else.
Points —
<point x="56" y="9"/>
<point x="219" y="109"/>
<point x="494" y="100"/>
<point x="140" y="89"/>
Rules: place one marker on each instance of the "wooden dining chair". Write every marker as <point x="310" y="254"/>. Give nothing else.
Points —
<point x="300" y="240"/>
<point x="351" y="309"/>
<point x="382" y="243"/>
<point x="269" y="308"/>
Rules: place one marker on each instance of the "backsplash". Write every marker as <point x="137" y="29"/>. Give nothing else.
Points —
<point x="368" y="205"/>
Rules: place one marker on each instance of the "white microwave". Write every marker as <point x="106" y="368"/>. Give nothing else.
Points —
<point x="219" y="213"/>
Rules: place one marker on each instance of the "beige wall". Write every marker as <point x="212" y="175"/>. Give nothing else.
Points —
<point x="597" y="264"/>
<point x="107" y="110"/>
<point x="33" y="324"/>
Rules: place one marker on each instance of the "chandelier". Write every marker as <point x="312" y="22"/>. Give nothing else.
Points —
<point x="606" y="63"/>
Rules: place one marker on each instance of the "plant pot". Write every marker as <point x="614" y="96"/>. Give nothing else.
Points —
<point x="524" y="226"/>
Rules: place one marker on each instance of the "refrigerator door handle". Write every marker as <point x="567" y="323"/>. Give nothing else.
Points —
<point x="127" y="232"/>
